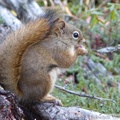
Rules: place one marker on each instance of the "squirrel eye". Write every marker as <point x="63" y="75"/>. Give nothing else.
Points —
<point x="75" y="34"/>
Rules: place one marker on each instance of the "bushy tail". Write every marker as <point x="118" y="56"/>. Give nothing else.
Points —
<point x="12" y="49"/>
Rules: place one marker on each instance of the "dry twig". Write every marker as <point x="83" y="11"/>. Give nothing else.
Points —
<point x="103" y="4"/>
<point x="83" y="95"/>
<point x="109" y="49"/>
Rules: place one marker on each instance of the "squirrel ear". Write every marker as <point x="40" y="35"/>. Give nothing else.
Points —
<point x="59" y="26"/>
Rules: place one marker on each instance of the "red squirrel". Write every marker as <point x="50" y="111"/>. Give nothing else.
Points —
<point x="31" y="56"/>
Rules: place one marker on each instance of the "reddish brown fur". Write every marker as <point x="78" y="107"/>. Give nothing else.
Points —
<point x="12" y="49"/>
<point x="30" y="55"/>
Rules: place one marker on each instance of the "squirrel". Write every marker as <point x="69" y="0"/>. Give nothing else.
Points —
<point x="31" y="56"/>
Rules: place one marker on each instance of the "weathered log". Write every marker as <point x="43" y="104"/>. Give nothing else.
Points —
<point x="9" y="109"/>
<point x="9" y="19"/>
<point x="50" y="111"/>
<point x="25" y="9"/>
<point x="109" y="49"/>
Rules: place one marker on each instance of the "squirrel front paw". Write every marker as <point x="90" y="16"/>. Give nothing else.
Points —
<point x="81" y="50"/>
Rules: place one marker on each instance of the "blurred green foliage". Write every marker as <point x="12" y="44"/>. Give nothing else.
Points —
<point x="90" y="87"/>
<point x="104" y="20"/>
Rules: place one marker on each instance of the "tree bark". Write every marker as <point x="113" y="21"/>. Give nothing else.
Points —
<point x="50" y="111"/>
<point x="11" y="110"/>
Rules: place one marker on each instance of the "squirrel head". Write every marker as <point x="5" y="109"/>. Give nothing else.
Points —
<point x="70" y="35"/>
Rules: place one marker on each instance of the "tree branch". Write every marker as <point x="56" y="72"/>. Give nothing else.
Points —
<point x="109" y="49"/>
<point x="83" y="95"/>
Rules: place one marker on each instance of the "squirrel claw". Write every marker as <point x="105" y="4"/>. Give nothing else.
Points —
<point x="57" y="102"/>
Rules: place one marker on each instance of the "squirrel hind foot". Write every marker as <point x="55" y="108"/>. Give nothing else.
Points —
<point x="49" y="98"/>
